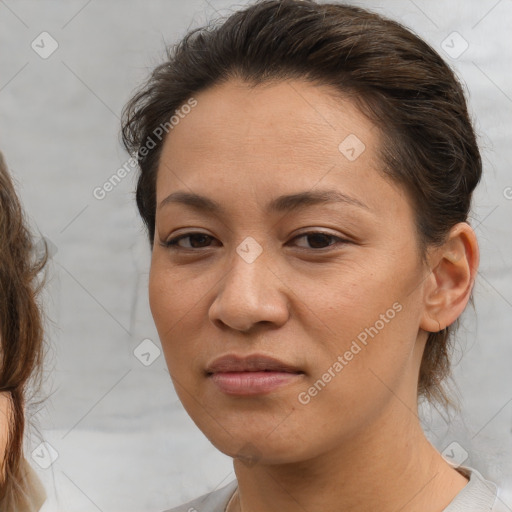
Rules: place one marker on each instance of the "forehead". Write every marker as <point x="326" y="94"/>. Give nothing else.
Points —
<point x="270" y="120"/>
<point x="289" y="135"/>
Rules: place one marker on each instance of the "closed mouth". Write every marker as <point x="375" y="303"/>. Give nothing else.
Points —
<point x="233" y="363"/>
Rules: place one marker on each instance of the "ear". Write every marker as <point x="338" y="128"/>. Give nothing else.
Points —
<point x="453" y="271"/>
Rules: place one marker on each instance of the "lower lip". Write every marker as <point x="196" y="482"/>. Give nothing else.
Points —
<point x="252" y="383"/>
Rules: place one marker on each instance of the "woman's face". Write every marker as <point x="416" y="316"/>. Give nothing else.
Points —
<point x="340" y="309"/>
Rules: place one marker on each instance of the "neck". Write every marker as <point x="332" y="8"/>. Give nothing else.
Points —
<point x="387" y="468"/>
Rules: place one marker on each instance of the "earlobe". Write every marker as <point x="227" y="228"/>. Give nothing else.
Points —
<point x="453" y="270"/>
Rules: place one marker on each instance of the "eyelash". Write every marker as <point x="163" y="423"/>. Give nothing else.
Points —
<point x="172" y="243"/>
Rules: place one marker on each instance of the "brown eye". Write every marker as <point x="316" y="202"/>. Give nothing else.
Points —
<point x="320" y="240"/>
<point x="196" y="241"/>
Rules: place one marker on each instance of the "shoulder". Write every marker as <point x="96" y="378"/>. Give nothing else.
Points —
<point x="478" y="495"/>
<point x="215" y="501"/>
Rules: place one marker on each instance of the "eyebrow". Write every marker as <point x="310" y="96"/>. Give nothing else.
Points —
<point x="281" y="204"/>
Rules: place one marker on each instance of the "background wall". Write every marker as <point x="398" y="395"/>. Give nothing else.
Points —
<point x="115" y="437"/>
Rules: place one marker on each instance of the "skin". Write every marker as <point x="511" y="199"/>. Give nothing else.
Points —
<point x="358" y="444"/>
<point x="5" y="410"/>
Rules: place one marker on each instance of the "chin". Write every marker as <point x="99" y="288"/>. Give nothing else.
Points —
<point x="251" y="451"/>
<point x="255" y="442"/>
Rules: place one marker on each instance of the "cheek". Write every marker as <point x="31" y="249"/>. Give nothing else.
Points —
<point x="174" y="293"/>
<point x="177" y="301"/>
<point x="368" y="316"/>
<point x="352" y="297"/>
<point x="162" y="301"/>
<point x="168" y="304"/>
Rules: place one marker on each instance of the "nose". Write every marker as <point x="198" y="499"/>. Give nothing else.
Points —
<point x="251" y="294"/>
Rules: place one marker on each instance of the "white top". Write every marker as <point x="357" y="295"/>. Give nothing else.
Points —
<point x="479" y="495"/>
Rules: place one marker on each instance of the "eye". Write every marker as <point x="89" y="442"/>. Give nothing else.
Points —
<point x="195" y="240"/>
<point x="319" y="239"/>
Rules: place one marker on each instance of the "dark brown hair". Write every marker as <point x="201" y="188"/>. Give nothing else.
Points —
<point x="21" y="336"/>
<point x="396" y="79"/>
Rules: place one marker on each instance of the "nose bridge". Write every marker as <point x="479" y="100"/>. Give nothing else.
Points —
<point x="250" y="292"/>
<point x="249" y="271"/>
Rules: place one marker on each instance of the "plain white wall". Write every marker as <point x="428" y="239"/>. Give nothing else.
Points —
<point x="122" y="438"/>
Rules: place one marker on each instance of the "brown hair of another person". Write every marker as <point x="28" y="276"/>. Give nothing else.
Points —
<point x="21" y="336"/>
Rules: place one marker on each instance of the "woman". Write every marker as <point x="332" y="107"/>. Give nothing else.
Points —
<point x="21" y="350"/>
<point x="306" y="178"/>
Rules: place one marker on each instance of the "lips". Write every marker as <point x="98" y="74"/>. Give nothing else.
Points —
<point x="251" y="375"/>
<point x="254" y="363"/>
